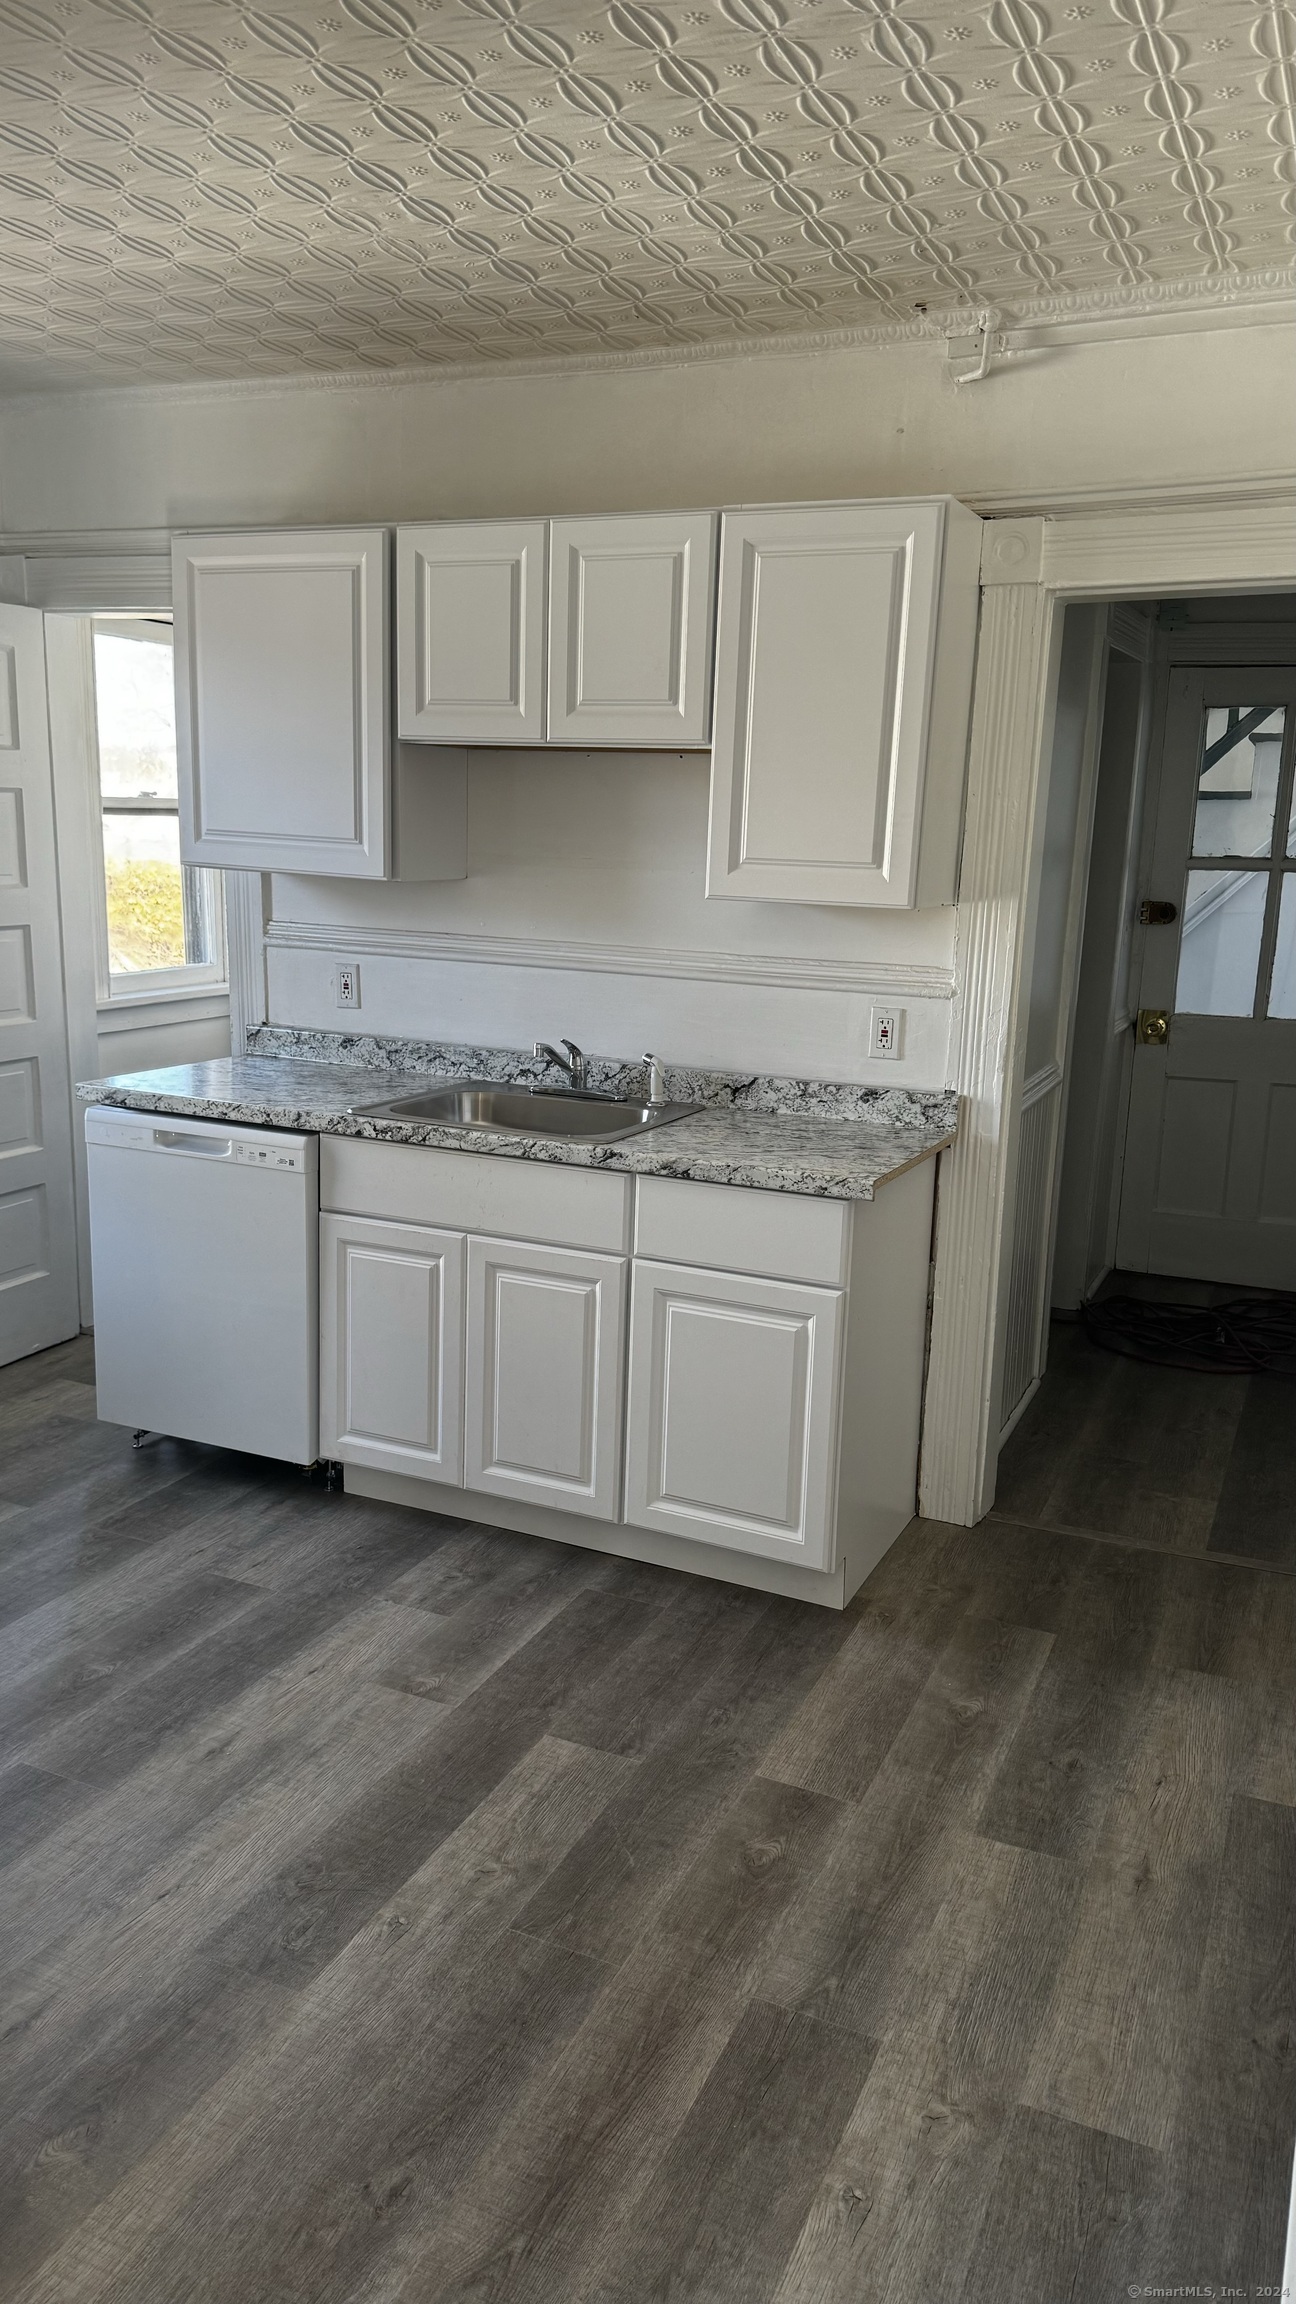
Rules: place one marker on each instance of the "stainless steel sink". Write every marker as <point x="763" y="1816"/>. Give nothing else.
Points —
<point x="522" y="1111"/>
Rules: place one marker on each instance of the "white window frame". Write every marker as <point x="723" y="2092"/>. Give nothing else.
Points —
<point x="145" y="989"/>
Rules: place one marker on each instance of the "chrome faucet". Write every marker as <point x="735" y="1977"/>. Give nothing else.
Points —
<point x="656" y="1078"/>
<point x="574" y="1069"/>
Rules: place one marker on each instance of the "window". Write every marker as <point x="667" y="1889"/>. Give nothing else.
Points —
<point x="162" y="924"/>
<point x="1237" y="953"/>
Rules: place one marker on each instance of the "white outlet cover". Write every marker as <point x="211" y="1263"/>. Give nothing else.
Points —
<point x="346" y="984"/>
<point x="886" y="1033"/>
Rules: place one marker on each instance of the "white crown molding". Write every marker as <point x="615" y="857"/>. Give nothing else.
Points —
<point x="886" y="978"/>
<point x="1260" y="298"/>
<point x="109" y="576"/>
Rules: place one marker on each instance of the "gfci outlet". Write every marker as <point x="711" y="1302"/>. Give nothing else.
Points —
<point x="886" y="1031"/>
<point x="346" y="984"/>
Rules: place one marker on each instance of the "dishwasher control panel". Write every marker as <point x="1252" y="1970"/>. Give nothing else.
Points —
<point x="271" y="1155"/>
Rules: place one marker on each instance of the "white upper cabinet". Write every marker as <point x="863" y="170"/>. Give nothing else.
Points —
<point x="630" y="629"/>
<point x="283" y="712"/>
<point x="470" y="648"/>
<point x="843" y="687"/>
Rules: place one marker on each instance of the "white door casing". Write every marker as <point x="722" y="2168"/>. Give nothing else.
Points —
<point x="544" y="1376"/>
<point x="470" y="631"/>
<point x="1210" y="538"/>
<point x="1209" y="1182"/>
<point x="840" y="735"/>
<point x="39" y="1293"/>
<point x="281" y="649"/>
<point x="391" y="1350"/>
<point x="631" y="604"/>
<point x="732" y="1417"/>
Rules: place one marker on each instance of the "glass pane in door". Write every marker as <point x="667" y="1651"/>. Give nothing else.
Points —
<point x="1282" y="984"/>
<point x="1219" y="952"/>
<point x="1237" y="782"/>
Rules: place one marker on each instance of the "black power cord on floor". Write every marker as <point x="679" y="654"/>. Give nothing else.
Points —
<point x="1246" y="1335"/>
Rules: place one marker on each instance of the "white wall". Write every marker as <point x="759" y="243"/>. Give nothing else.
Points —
<point x="599" y="857"/>
<point x="145" y="1048"/>
<point x="886" y="419"/>
<point x="606" y="851"/>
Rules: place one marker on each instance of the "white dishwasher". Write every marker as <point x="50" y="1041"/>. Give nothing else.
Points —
<point x="204" y="1245"/>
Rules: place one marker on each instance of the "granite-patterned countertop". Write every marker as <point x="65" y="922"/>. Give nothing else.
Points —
<point x="828" y="1139"/>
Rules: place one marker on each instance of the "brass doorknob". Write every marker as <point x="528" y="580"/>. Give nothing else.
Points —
<point x="1153" y="1027"/>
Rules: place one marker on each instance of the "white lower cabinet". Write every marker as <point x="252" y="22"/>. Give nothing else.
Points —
<point x="703" y="1375"/>
<point x="731" y="1423"/>
<point x="546" y="1331"/>
<point x="391" y="1311"/>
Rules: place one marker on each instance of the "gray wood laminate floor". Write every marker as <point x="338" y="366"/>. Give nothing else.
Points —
<point x="398" y="1910"/>
<point x="1115" y="1447"/>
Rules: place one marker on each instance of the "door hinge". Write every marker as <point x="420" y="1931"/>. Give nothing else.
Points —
<point x="1152" y="1029"/>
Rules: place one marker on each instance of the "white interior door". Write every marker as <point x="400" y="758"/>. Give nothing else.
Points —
<point x="1209" y="1186"/>
<point x="545" y="1328"/>
<point x="38" y="1262"/>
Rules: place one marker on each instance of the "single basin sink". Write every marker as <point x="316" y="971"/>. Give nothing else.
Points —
<point x="558" y="1112"/>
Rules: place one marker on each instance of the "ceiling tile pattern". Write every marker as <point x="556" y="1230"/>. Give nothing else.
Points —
<point x="203" y="188"/>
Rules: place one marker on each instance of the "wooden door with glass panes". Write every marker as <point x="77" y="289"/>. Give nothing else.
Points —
<point x="1209" y="1185"/>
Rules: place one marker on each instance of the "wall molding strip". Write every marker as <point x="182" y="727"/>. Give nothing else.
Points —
<point x="891" y="979"/>
<point x="1049" y="1076"/>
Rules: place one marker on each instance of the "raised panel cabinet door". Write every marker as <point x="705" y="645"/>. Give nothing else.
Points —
<point x="282" y="701"/>
<point x="546" y="1329"/>
<point x="731" y="1433"/>
<point x="391" y="1327"/>
<point x="630" y="629"/>
<point x="824" y="676"/>
<point x="470" y="618"/>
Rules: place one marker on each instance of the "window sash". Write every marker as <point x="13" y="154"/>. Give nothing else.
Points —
<point x="201" y="892"/>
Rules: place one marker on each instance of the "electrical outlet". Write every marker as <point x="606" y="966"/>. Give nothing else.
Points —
<point x="886" y="1031"/>
<point x="346" y="984"/>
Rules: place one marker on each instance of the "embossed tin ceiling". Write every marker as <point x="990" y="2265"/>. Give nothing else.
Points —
<point x="198" y="188"/>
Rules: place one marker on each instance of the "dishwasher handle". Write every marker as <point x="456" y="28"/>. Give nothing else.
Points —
<point x="197" y="1147"/>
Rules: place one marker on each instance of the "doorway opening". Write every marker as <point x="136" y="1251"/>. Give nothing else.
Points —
<point x="1156" y="1179"/>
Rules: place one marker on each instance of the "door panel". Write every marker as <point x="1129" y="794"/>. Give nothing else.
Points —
<point x="732" y="1411"/>
<point x="38" y="1286"/>
<point x="1210" y="1141"/>
<point x="630" y="614"/>
<point x="281" y="646"/>
<point x="391" y="1313"/>
<point x="545" y="1328"/>
<point x="1192" y="1178"/>
<point x="470" y="610"/>
<point x="1278" y="1163"/>
<point x="824" y="670"/>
